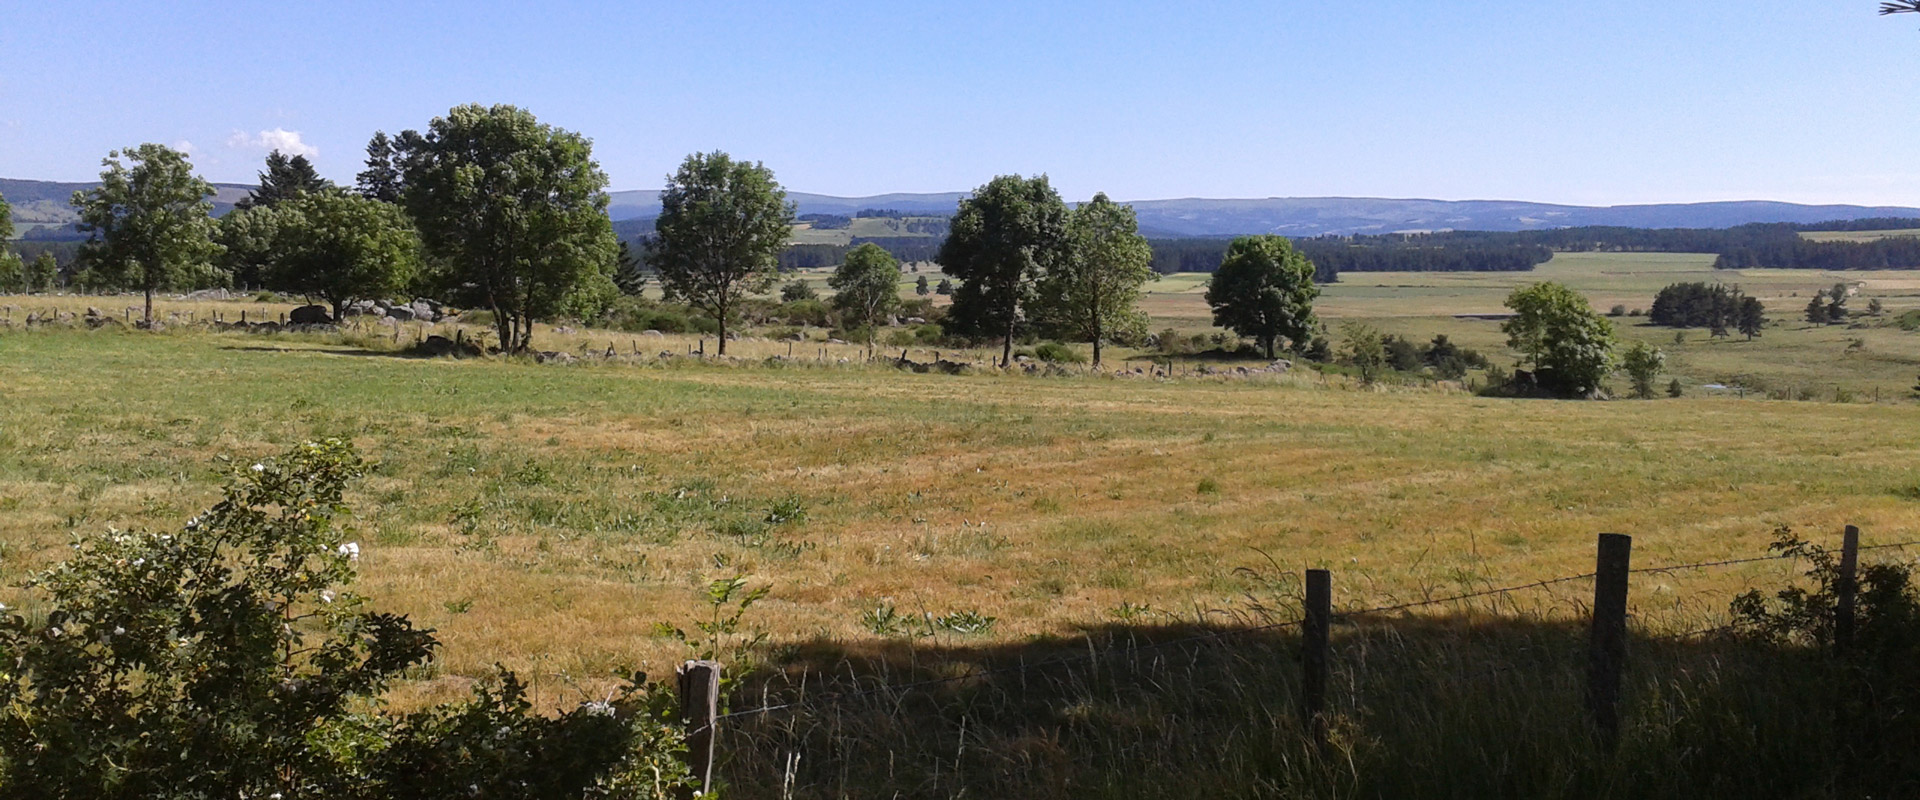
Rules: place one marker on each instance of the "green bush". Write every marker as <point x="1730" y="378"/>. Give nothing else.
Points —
<point x="1058" y="353"/>
<point x="230" y="659"/>
<point x="810" y="311"/>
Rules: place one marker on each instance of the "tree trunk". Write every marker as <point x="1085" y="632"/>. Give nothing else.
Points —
<point x="339" y="311"/>
<point x="149" y="306"/>
<point x="723" y="332"/>
<point x="503" y="325"/>
<point x="1096" y="343"/>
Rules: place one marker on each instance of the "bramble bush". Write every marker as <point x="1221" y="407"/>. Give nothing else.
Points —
<point x="230" y="660"/>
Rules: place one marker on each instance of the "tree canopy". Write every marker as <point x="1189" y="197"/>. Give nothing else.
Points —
<point x="1264" y="291"/>
<point x="148" y="222"/>
<point x="1558" y="333"/>
<point x="514" y="213"/>
<point x="1003" y="238"/>
<point x="722" y="226"/>
<point x="866" y="288"/>
<point x="341" y="247"/>
<point x="1090" y="295"/>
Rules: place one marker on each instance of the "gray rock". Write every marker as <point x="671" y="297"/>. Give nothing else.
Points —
<point x="651" y="333"/>
<point x="422" y="310"/>
<point x="400" y="313"/>
<point x="916" y="321"/>
<point x="310" y="315"/>
<point x="555" y="357"/>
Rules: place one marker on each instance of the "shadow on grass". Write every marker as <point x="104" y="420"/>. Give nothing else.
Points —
<point x="1452" y="707"/>
<point x="359" y="352"/>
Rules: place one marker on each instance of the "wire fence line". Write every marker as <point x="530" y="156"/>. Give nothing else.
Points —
<point x="1131" y="649"/>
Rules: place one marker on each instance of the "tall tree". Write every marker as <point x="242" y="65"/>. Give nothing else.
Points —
<point x="284" y="179"/>
<point x="1555" y="329"/>
<point x="341" y="247"/>
<point x="628" y="270"/>
<point x="247" y="238"/>
<point x="148" y="222"/>
<point x="1264" y="291"/>
<point x="515" y="213"/>
<point x="1752" y="316"/>
<point x="6" y="221"/>
<point x="1091" y="295"/>
<point x="382" y="179"/>
<point x="1817" y="310"/>
<point x="13" y="274"/>
<point x="1642" y="362"/>
<point x="1002" y="240"/>
<point x="866" y="288"/>
<point x="722" y="226"/>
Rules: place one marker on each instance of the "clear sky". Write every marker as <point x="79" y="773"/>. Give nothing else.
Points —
<point x="1547" y="100"/>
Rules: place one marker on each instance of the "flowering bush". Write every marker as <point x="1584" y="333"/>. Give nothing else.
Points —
<point x="230" y="660"/>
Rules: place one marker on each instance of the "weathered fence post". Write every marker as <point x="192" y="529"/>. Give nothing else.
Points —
<point x="1848" y="587"/>
<point x="1313" y="654"/>
<point x="1607" y="651"/>
<point x="699" y="711"/>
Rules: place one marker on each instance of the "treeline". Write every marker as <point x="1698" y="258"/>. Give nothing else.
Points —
<point x="1332" y="255"/>
<point x="1717" y="307"/>
<point x="903" y="248"/>
<point x="1798" y="253"/>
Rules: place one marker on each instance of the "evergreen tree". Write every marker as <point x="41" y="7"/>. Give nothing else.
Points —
<point x="920" y="286"/>
<point x="1753" y="317"/>
<point x="1817" y="310"/>
<point x="382" y="179"/>
<point x="284" y="179"/>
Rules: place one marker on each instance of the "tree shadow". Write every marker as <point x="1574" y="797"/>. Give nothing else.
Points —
<point x="1464" y="705"/>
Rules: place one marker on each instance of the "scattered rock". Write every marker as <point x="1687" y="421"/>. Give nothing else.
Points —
<point x="423" y="310"/>
<point x="651" y="333"/>
<point x="836" y="341"/>
<point x="310" y="315"/>
<point x="916" y="321"/>
<point x="399" y="313"/>
<point x="555" y="357"/>
<point x="156" y="326"/>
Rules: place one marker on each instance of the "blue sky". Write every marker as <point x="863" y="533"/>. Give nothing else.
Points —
<point x="1592" y="103"/>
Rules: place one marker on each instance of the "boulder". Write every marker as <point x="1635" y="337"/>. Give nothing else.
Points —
<point x="310" y="315"/>
<point x="651" y="333"/>
<point x="555" y="357"/>
<point x="424" y="311"/>
<point x="400" y="313"/>
<point x="836" y="341"/>
<point x="1280" y="365"/>
<point x="916" y="321"/>
<point x="361" y="308"/>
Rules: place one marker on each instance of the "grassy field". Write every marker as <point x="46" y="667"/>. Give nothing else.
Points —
<point x="547" y="517"/>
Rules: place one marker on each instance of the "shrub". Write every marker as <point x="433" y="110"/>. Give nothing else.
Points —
<point x="798" y="290"/>
<point x="229" y="659"/>
<point x="811" y="311"/>
<point x="1058" y="353"/>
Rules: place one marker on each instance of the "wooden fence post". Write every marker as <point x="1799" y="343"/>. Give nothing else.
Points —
<point x="1848" y="587"/>
<point x="699" y="711"/>
<point x="1607" y="651"/>
<point x="1313" y="654"/>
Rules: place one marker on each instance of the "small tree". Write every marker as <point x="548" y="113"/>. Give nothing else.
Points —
<point x="13" y="274"/>
<point x="1557" y="332"/>
<point x="1874" y="307"/>
<point x="1264" y="291"/>
<point x="920" y="286"/>
<point x="798" y="289"/>
<point x="43" y="273"/>
<point x="341" y="247"/>
<point x="149" y="222"/>
<point x="944" y="287"/>
<point x="1090" y="295"/>
<point x="722" y="226"/>
<point x="1753" y="317"/>
<point x="1642" y="362"/>
<point x="1674" y="389"/>
<point x="1364" y="349"/>
<point x="866" y="288"/>
<point x="1817" y="309"/>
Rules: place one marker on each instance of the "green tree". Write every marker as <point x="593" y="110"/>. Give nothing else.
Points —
<point x="722" y="226"/>
<point x="1003" y="238"/>
<point x="284" y="179"/>
<point x="341" y="247"/>
<point x="1752" y="316"/>
<point x="514" y="213"/>
<point x="6" y="222"/>
<point x="1642" y="362"/>
<point x="13" y="274"/>
<point x="148" y="222"/>
<point x="944" y="287"/>
<point x="629" y="271"/>
<point x="384" y="176"/>
<point x="920" y="286"/>
<point x="798" y="289"/>
<point x="866" y="288"/>
<point x="1364" y="349"/>
<point x="43" y="274"/>
<point x="247" y="238"/>
<point x="1817" y="310"/>
<point x="1264" y="291"/>
<point x="1091" y="295"/>
<point x="1569" y="345"/>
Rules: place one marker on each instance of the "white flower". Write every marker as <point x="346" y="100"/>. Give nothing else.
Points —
<point x="599" y="708"/>
<point x="139" y="561"/>
<point x="118" y="631"/>
<point x="259" y="468"/>
<point x="351" y="550"/>
<point x="326" y="595"/>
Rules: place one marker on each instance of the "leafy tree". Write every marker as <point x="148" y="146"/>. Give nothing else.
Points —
<point x="285" y="179"/>
<point x="43" y="274"/>
<point x="1642" y="362"/>
<point x="515" y="213"/>
<point x="1752" y="317"/>
<point x="1264" y="291"/>
<point x="1003" y="238"/>
<point x="722" y="226"/>
<point x="920" y="286"/>
<point x="1090" y="295"/>
<point x="1402" y="353"/>
<point x="798" y="289"/>
<point x="1817" y="310"/>
<point x="1674" y="389"/>
<point x="247" y="236"/>
<point x="149" y="222"/>
<point x="13" y="274"/>
<point x="866" y="288"/>
<point x="1556" y="331"/>
<point x="1364" y="349"/>
<point x="6" y="219"/>
<point x="944" y="287"/>
<point x="341" y="247"/>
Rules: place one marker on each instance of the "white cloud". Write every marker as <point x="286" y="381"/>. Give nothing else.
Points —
<point x="185" y="146"/>
<point x="280" y="139"/>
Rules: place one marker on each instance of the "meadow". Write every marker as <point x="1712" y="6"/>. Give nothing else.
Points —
<point x="548" y="516"/>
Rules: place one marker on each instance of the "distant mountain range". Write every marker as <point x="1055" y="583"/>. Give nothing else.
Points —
<point x="44" y="203"/>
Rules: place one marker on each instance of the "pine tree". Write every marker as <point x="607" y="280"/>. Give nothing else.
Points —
<point x="285" y="179"/>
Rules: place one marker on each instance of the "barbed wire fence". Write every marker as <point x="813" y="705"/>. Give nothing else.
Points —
<point x="702" y="723"/>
